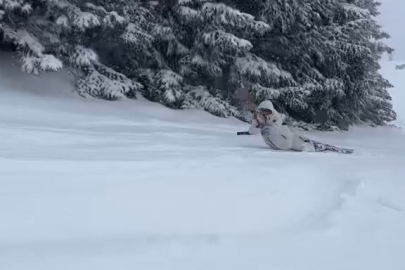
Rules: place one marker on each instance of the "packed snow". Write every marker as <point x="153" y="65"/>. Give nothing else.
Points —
<point x="91" y="184"/>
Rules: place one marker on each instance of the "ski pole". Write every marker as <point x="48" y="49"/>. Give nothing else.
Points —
<point x="243" y="133"/>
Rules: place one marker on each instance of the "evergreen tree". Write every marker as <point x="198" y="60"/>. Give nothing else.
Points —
<point x="298" y="45"/>
<point x="209" y="46"/>
<point x="21" y="22"/>
<point x="317" y="60"/>
<point x="52" y="32"/>
<point x="98" y="39"/>
<point x="367" y="98"/>
<point x="329" y="47"/>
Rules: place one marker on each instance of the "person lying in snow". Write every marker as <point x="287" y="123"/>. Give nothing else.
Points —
<point x="279" y="136"/>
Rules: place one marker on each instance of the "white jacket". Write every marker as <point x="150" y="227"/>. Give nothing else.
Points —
<point x="275" y="134"/>
<point x="275" y="119"/>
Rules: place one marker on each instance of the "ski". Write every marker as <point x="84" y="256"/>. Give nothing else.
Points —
<point x="323" y="147"/>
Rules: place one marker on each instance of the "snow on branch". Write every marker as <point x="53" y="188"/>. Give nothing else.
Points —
<point x="294" y="97"/>
<point x="189" y="15"/>
<point x="334" y="86"/>
<point x="49" y="62"/>
<point x="205" y="66"/>
<point x="198" y="97"/>
<point x="354" y="49"/>
<point x="84" y="20"/>
<point x="33" y="57"/>
<point x="262" y="93"/>
<point x="112" y="19"/>
<point x="83" y="57"/>
<point x="11" y="5"/>
<point x="63" y="21"/>
<point x="226" y="42"/>
<point x="77" y="18"/>
<point x="225" y="16"/>
<point x="259" y="69"/>
<point x="356" y="10"/>
<point x="27" y="8"/>
<point x="33" y="64"/>
<point x="117" y="76"/>
<point x="169" y="84"/>
<point x="184" y="2"/>
<point x="112" y="87"/>
<point x="167" y="79"/>
<point x="163" y="32"/>
<point x="26" y="41"/>
<point x="95" y="8"/>
<point x="135" y="35"/>
<point x="191" y="2"/>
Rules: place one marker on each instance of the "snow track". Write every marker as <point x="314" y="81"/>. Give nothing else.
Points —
<point x="88" y="184"/>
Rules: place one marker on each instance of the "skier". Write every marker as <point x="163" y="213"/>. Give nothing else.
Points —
<point x="279" y="136"/>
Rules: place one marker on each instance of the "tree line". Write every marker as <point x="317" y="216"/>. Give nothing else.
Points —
<point x="317" y="60"/>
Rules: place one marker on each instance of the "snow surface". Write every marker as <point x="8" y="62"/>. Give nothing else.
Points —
<point x="90" y="184"/>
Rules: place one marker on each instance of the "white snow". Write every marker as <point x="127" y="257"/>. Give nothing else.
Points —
<point x="90" y="184"/>
<point x="83" y="56"/>
<point x="84" y="20"/>
<point x="226" y="40"/>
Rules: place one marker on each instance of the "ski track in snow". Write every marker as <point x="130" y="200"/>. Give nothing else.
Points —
<point x="88" y="184"/>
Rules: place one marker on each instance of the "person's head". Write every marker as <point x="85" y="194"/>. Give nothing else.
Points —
<point x="266" y="104"/>
<point x="265" y="111"/>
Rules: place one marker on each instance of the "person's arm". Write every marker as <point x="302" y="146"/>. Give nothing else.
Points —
<point x="254" y="127"/>
<point x="275" y="120"/>
<point x="257" y="124"/>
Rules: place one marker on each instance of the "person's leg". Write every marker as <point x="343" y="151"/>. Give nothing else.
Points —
<point x="276" y="138"/>
<point x="302" y="144"/>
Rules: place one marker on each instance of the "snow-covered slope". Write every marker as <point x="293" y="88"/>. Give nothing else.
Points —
<point x="90" y="184"/>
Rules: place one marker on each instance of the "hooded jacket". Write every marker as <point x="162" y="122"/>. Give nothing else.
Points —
<point x="275" y="119"/>
<point x="274" y="133"/>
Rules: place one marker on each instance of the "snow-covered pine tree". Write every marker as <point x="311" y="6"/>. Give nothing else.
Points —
<point x="79" y="34"/>
<point x="322" y="49"/>
<point x="205" y="43"/>
<point x="20" y="25"/>
<point x="106" y="43"/>
<point x="316" y="59"/>
<point x="366" y="95"/>
<point x="297" y="47"/>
